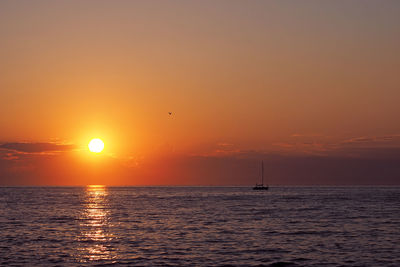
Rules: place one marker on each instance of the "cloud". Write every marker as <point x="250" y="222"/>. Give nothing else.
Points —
<point x="283" y="145"/>
<point x="372" y="166"/>
<point x="372" y="139"/>
<point x="300" y="163"/>
<point x="307" y="135"/>
<point x="224" y="148"/>
<point x="360" y="146"/>
<point x="368" y="166"/>
<point x="36" y="147"/>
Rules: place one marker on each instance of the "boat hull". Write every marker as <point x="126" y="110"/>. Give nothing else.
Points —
<point x="260" y="188"/>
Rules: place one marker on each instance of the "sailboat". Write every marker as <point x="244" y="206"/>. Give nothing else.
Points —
<point x="261" y="186"/>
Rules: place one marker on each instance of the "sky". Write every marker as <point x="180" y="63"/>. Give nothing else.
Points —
<point x="310" y="87"/>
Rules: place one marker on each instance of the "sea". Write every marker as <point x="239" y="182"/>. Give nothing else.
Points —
<point x="199" y="226"/>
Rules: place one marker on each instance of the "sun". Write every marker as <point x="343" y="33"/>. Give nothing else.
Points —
<point x="96" y="145"/>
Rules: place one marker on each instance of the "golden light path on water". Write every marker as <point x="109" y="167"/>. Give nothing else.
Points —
<point x="95" y="236"/>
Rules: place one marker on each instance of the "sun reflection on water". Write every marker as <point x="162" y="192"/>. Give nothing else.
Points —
<point x="95" y="237"/>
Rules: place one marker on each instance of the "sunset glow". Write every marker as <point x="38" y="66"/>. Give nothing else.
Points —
<point x="199" y="92"/>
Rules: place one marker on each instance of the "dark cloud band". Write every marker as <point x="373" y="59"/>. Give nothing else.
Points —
<point x="36" y="147"/>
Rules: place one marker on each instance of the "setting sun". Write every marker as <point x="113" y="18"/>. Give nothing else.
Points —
<point x="96" y="145"/>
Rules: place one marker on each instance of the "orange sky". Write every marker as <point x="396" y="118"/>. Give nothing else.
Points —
<point x="266" y="77"/>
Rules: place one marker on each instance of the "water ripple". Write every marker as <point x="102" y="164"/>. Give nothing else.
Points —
<point x="170" y="226"/>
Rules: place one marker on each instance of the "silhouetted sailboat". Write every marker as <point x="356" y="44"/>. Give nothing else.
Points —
<point x="261" y="186"/>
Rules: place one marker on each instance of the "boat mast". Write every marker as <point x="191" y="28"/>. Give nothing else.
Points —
<point x="262" y="173"/>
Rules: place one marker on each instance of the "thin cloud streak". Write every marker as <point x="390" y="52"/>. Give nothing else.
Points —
<point x="36" y="147"/>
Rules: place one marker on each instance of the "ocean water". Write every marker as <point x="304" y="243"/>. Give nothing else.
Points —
<point x="199" y="226"/>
